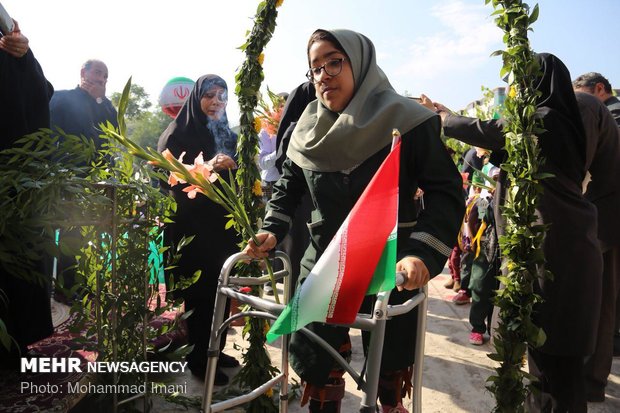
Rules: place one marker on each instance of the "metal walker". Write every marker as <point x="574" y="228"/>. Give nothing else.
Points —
<point x="375" y="323"/>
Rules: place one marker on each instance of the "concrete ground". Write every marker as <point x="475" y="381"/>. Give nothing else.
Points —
<point x="455" y="371"/>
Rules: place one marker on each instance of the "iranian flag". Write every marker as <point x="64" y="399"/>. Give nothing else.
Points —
<point x="359" y="260"/>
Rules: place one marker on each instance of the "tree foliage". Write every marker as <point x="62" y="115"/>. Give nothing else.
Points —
<point x="147" y="128"/>
<point x="53" y="181"/>
<point x="145" y="123"/>
<point x="137" y="104"/>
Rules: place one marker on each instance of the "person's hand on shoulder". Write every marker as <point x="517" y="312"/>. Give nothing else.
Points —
<point x="427" y="102"/>
<point x="267" y="242"/>
<point x="15" y="43"/>
<point x="436" y="107"/>
<point x="417" y="275"/>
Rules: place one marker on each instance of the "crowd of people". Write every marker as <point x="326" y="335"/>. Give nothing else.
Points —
<point x="580" y="147"/>
<point x="335" y="130"/>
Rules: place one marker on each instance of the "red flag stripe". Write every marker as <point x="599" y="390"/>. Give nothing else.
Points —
<point x="371" y="221"/>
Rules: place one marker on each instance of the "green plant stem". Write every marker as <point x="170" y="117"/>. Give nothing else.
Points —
<point x="258" y="369"/>
<point x="522" y="242"/>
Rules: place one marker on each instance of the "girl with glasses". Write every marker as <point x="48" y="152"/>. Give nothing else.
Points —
<point x="337" y="146"/>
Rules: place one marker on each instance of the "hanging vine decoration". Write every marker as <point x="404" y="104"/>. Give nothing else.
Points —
<point x="257" y="368"/>
<point x="521" y="245"/>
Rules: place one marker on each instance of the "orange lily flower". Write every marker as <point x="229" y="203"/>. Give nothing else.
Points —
<point x="203" y="168"/>
<point x="192" y="191"/>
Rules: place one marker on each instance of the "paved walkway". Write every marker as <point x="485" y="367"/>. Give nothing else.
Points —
<point x="455" y="371"/>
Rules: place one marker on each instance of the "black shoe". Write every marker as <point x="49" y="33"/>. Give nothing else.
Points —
<point x="617" y="345"/>
<point x="226" y="361"/>
<point x="595" y="393"/>
<point x="199" y="372"/>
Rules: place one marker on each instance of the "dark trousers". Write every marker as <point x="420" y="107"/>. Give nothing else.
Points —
<point x="199" y="325"/>
<point x="561" y="385"/>
<point x="199" y="297"/>
<point x="598" y="366"/>
<point x="467" y="260"/>
<point x="482" y="285"/>
<point x="25" y="311"/>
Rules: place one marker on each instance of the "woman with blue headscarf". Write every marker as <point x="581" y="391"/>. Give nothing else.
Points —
<point x="202" y="127"/>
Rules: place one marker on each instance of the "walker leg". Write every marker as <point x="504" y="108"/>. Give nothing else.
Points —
<point x="284" y="343"/>
<point x="373" y="367"/>
<point x="418" y="367"/>
<point x="214" y="351"/>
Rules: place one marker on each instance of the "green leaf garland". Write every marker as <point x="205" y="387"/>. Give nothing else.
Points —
<point x="257" y="368"/>
<point x="521" y="244"/>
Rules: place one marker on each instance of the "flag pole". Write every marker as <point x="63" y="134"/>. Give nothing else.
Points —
<point x="395" y="138"/>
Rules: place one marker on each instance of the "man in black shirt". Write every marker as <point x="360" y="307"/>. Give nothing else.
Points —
<point x="79" y="111"/>
<point x="596" y="84"/>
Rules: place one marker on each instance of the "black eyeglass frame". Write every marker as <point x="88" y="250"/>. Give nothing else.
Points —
<point x="314" y="72"/>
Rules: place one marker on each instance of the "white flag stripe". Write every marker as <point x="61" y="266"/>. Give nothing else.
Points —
<point x="312" y="295"/>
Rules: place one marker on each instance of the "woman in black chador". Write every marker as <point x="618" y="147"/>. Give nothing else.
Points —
<point x="570" y="146"/>
<point x="202" y="127"/>
<point x="24" y="97"/>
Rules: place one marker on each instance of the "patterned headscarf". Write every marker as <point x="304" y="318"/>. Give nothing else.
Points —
<point x="192" y="131"/>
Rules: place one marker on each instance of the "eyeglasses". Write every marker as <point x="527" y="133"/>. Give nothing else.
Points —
<point x="332" y="67"/>
<point x="221" y="95"/>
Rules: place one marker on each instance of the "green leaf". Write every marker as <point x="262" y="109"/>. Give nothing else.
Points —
<point x="541" y="337"/>
<point x="542" y="175"/>
<point x="504" y="71"/>
<point x="185" y="241"/>
<point x="534" y="15"/>
<point x="229" y="224"/>
<point x="122" y="108"/>
<point x="495" y="357"/>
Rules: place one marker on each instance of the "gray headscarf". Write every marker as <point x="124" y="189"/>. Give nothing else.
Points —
<point x="327" y="141"/>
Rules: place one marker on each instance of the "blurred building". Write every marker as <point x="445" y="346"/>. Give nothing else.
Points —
<point x="488" y="106"/>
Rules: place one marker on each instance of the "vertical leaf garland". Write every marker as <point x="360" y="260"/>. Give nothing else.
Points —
<point x="521" y="245"/>
<point x="257" y="367"/>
